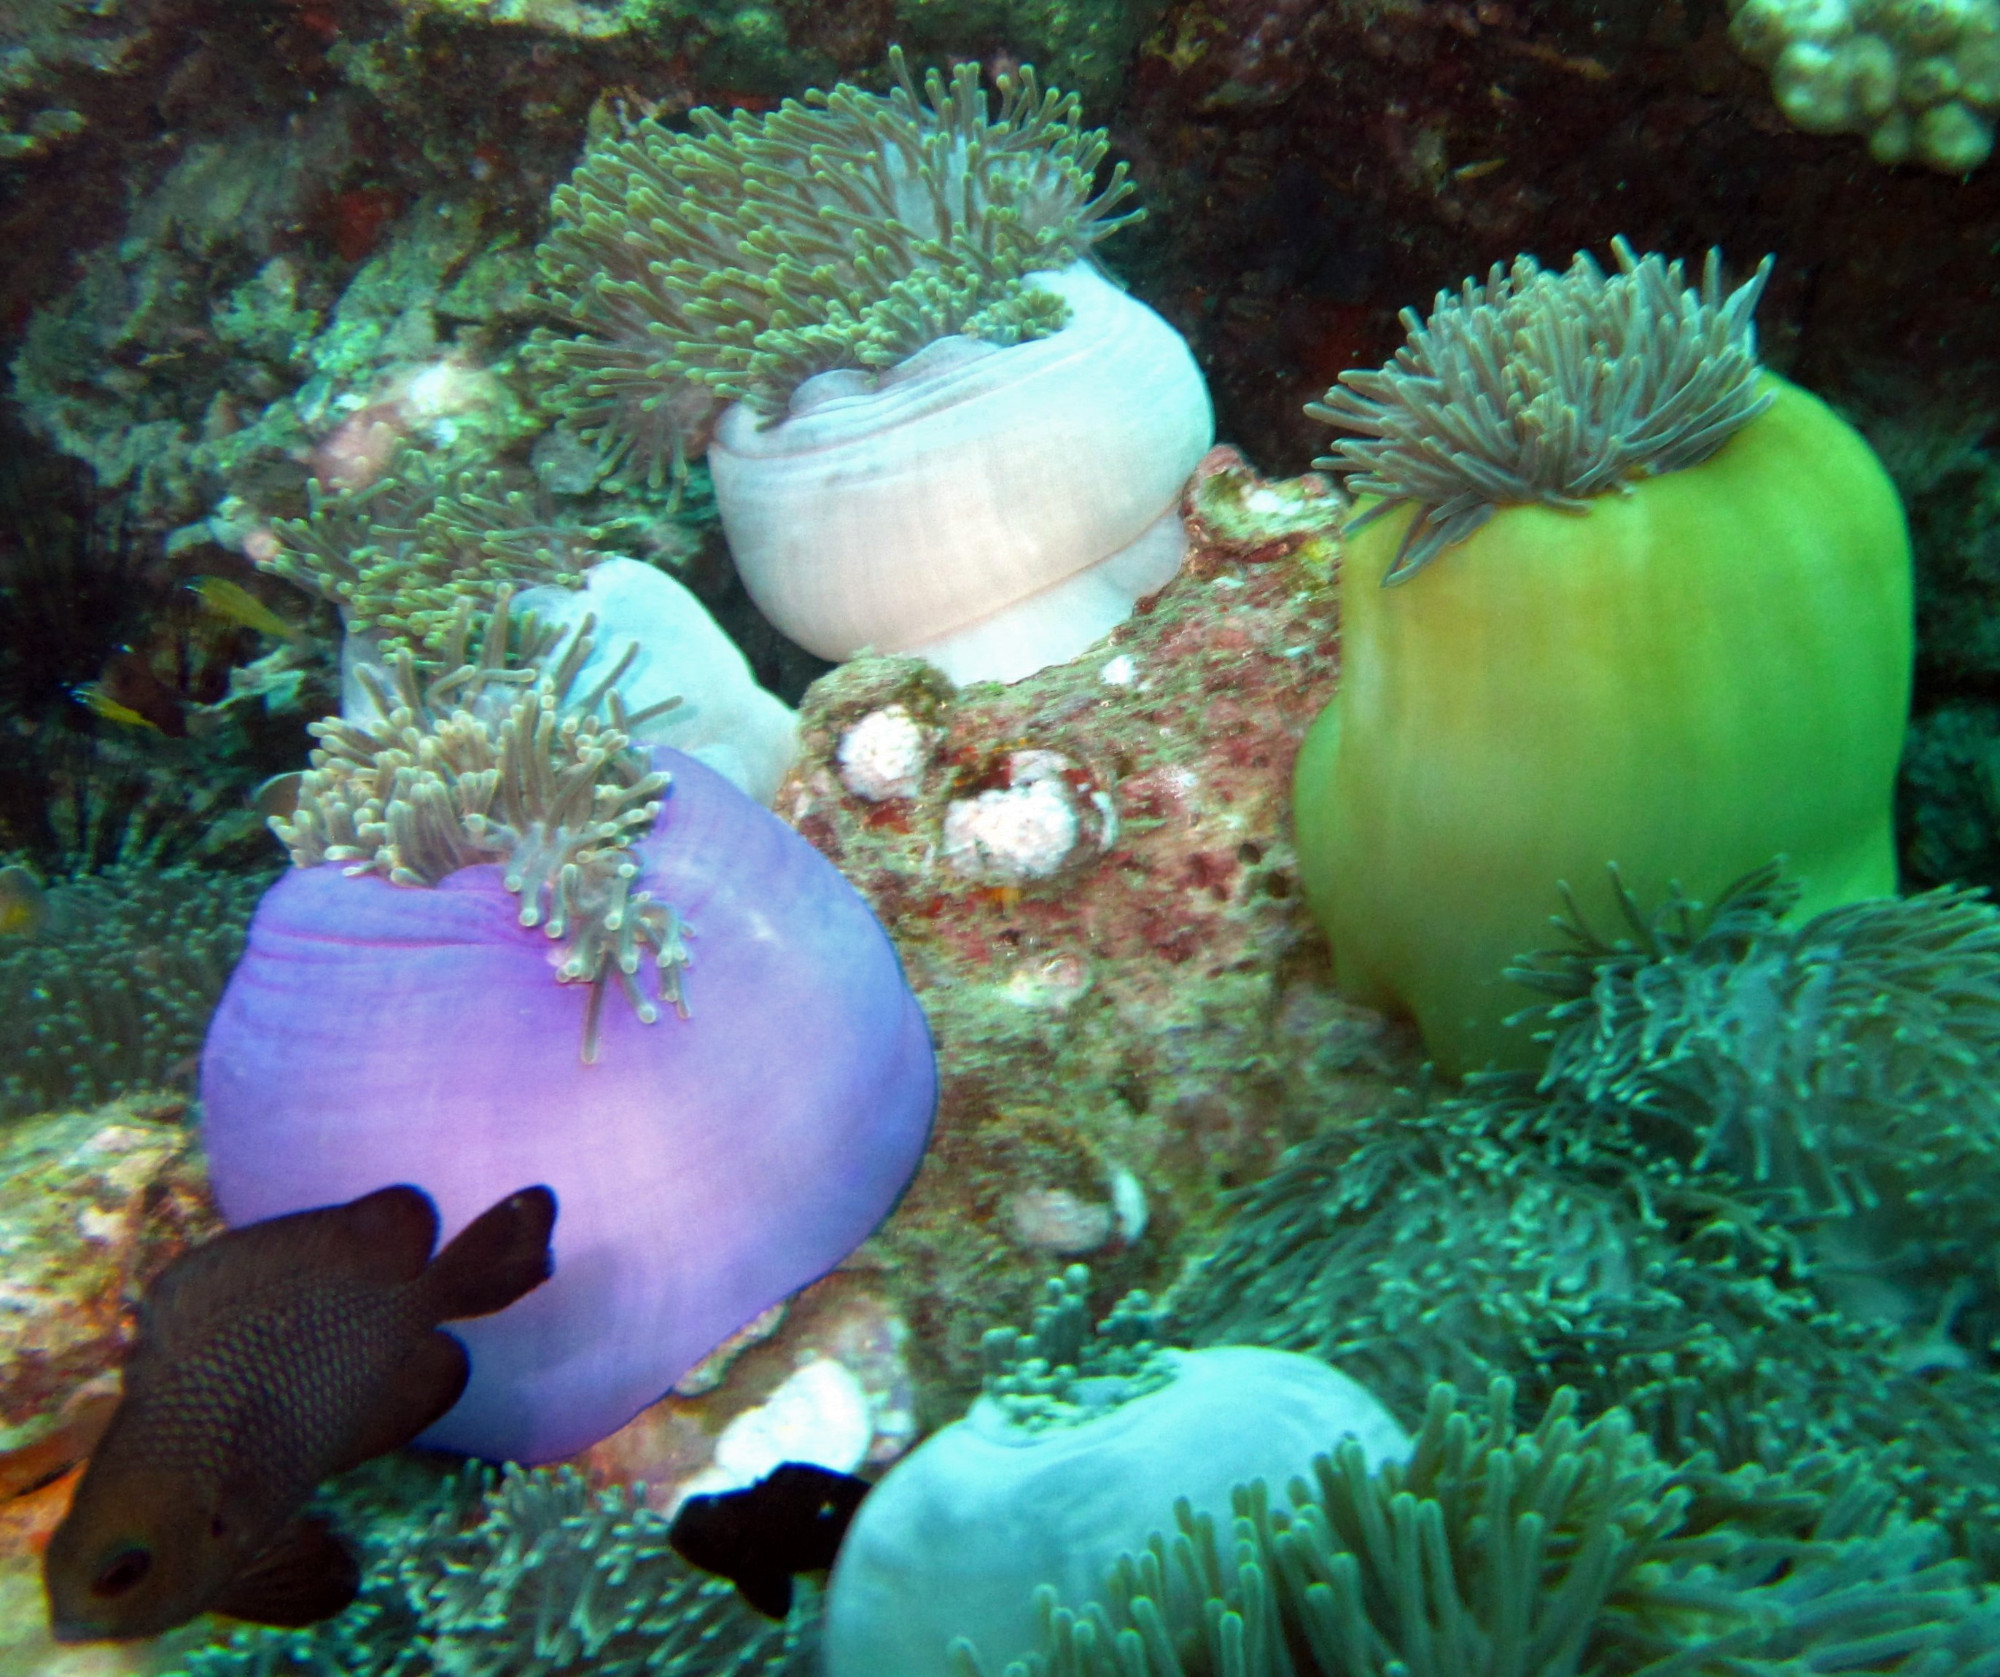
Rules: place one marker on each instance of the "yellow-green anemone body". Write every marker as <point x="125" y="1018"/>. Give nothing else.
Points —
<point x="1684" y="680"/>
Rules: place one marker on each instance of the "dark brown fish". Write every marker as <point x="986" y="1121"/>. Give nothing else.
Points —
<point x="759" y="1538"/>
<point x="275" y="1355"/>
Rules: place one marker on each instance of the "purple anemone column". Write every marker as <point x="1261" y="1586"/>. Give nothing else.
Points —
<point x="705" y="1167"/>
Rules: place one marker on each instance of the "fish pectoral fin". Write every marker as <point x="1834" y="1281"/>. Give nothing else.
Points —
<point x="307" y="1575"/>
<point x="426" y="1384"/>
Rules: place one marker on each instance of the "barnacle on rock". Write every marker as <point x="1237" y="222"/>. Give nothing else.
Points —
<point x="490" y="764"/>
<point x="846" y="231"/>
<point x="1545" y="387"/>
<point x="113" y="987"/>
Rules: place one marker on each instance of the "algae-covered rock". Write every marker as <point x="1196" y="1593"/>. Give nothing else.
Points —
<point x="93" y="1204"/>
<point x="1089" y="875"/>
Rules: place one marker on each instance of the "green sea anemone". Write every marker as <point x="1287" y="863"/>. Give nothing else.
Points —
<point x="1546" y="388"/>
<point x="107" y="978"/>
<point x="526" y="1573"/>
<point x="1751" y="1202"/>
<point x="849" y="230"/>
<point x="1652" y="608"/>
<point x="1842" y="1063"/>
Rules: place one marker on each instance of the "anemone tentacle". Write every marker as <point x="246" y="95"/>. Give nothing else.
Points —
<point x="520" y="771"/>
<point x="850" y="230"/>
<point x="1545" y="387"/>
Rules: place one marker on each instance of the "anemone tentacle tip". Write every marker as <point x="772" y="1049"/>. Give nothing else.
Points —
<point x="1545" y="387"/>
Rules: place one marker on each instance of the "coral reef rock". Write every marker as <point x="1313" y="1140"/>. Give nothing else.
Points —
<point x="1089" y="875"/>
<point x="93" y="1204"/>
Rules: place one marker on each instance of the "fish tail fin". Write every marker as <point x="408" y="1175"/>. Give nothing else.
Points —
<point x="499" y="1255"/>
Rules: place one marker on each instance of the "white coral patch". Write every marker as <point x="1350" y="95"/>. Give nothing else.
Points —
<point x="820" y="1415"/>
<point x="884" y="755"/>
<point x="1056" y="1220"/>
<point x="1012" y="835"/>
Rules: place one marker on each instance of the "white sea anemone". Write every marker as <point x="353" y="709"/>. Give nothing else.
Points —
<point x="991" y="510"/>
<point x="947" y="433"/>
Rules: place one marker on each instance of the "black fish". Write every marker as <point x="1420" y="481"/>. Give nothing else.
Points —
<point x="791" y="1521"/>
<point x="275" y="1355"/>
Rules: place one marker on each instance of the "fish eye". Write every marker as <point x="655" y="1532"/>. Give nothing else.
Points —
<point x="123" y="1572"/>
<point x="217" y="1526"/>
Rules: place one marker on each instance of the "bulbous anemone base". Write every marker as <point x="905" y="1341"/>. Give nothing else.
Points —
<point x="992" y="509"/>
<point x="1686" y="681"/>
<point x="958" y="1537"/>
<point x="704" y="1167"/>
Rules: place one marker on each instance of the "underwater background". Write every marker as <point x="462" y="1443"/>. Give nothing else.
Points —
<point x="1065" y="842"/>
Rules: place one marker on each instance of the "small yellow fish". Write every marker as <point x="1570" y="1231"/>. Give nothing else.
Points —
<point x="24" y="906"/>
<point x="93" y="698"/>
<point x="235" y="602"/>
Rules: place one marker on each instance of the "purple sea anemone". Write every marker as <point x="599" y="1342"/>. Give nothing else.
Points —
<point x="379" y="1031"/>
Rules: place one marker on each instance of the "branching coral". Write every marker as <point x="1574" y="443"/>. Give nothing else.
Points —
<point x="1568" y="1548"/>
<point x="1545" y="387"/>
<point x="847" y="231"/>
<point x="520" y="771"/>
<point x="398" y="556"/>
<point x="113" y="990"/>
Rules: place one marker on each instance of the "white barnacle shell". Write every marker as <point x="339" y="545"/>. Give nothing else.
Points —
<point x="993" y="510"/>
